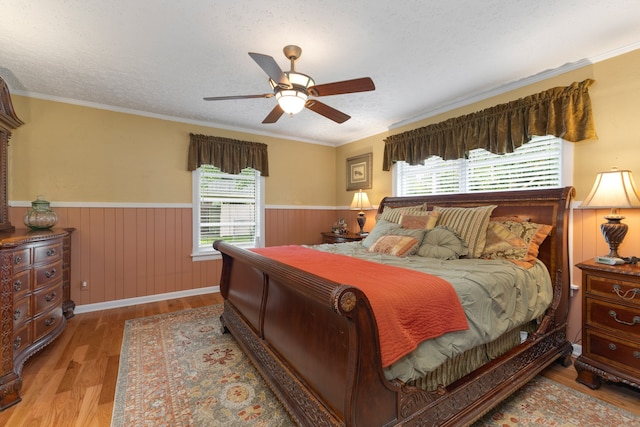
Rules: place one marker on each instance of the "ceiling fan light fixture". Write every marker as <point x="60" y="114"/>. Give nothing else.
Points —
<point x="291" y="101"/>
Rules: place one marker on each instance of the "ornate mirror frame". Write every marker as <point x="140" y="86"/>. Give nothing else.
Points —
<point x="8" y="122"/>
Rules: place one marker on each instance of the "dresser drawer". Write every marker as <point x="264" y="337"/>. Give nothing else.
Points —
<point x="21" y="283"/>
<point x="46" y="298"/>
<point x="21" y="260"/>
<point x="612" y="288"/>
<point x="621" y="353"/>
<point x="47" y="253"/>
<point x="22" y="338"/>
<point x="613" y="317"/>
<point x="47" y="322"/>
<point x="47" y="274"/>
<point x="21" y="312"/>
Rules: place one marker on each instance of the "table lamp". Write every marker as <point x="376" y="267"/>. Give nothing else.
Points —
<point x="613" y="190"/>
<point x="361" y="202"/>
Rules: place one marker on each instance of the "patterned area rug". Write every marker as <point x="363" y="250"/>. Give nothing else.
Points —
<point x="179" y="370"/>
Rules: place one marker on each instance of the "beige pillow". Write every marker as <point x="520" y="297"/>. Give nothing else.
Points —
<point x="384" y="228"/>
<point x="395" y="245"/>
<point x="470" y="223"/>
<point x="419" y="220"/>
<point x="394" y="214"/>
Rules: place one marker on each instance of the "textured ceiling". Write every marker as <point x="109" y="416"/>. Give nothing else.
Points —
<point x="161" y="57"/>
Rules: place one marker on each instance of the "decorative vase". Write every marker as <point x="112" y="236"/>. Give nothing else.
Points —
<point x="40" y="216"/>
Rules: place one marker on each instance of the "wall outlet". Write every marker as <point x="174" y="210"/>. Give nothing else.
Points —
<point x="84" y="286"/>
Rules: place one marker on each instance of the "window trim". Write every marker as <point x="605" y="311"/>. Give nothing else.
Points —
<point x="198" y="254"/>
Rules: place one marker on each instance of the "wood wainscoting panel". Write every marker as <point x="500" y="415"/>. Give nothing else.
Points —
<point x="130" y="252"/>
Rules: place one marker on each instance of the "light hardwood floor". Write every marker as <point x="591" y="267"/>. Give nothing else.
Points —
<point x="72" y="381"/>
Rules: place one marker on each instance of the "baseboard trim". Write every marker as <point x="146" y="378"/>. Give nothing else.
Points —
<point x="87" y="308"/>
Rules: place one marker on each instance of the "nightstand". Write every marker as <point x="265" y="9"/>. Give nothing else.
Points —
<point x="331" y="237"/>
<point x="611" y="324"/>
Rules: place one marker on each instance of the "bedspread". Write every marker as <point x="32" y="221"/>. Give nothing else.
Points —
<point x="402" y="321"/>
<point x="496" y="295"/>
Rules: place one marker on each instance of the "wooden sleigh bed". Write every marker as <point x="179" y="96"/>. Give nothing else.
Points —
<point x="315" y="341"/>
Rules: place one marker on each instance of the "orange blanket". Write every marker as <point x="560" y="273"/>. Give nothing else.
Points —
<point x="409" y="306"/>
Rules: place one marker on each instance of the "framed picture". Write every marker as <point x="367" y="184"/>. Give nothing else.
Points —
<point x="359" y="172"/>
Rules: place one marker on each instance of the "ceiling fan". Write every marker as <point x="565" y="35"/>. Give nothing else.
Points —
<point x="293" y="89"/>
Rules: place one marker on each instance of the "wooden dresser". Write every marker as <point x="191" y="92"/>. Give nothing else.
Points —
<point x="34" y="291"/>
<point x="611" y="324"/>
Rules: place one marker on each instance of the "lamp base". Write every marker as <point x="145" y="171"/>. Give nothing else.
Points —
<point x="613" y="232"/>
<point x="361" y="221"/>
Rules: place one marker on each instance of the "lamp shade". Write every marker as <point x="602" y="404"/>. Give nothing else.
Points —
<point x="613" y="189"/>
<point x="360" y="201"/>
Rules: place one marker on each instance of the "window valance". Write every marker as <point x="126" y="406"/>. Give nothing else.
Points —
<point x="230" y="155"/>
<point x="564" y="112"/>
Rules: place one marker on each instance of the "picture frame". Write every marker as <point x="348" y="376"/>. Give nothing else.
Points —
<point x="359" y="172"/>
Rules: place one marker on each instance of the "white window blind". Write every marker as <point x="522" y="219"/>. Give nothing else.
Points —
<point x="536" y="164"/>
<point x="227" y="208"/>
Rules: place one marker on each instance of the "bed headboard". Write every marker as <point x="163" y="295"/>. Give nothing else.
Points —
<point x="549" y="206"/>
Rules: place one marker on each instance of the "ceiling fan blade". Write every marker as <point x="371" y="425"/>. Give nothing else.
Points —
<point x="328" y="112"/>
<point x="274" y="115"/>
<point x="347" y="86"/>
<point x="224" y="98"/>
<point x="271" y="67"/>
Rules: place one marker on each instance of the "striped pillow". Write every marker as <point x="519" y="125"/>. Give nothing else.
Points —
<point x="470" y="223"/>
<point x="394" y="214"/>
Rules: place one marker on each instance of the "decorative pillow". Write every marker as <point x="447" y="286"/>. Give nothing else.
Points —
<point x="470" y="223"/>
<point x="395" y="245"/>
<point x="419" y="220"/>
<point x="384" y="228"/>
<point x="393" y="214"/>
<point x="515" y="241"/>
<point x="443" y="243"/>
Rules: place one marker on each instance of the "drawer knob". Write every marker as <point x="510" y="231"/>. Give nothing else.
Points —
<point x="17" y="285"/>
<point x="50" y="321"/>
<point x="628" y="294"/>
<point x="17" y="343"/>
<point x="17" y="260"/>
<point x="51" y="252"/>
<point x="612" y="346"/>
<point x="16" y="314"/>
<point x="636" y="319"/>
<point x="50" y="297"/>
<point x="636" y="354"/>
<point x="51" y="273"/>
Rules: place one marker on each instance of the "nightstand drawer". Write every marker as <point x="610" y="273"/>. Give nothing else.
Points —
<point x="618" y="318"/>
<point x="623" y="354"/>
<point x="618" y="289"/>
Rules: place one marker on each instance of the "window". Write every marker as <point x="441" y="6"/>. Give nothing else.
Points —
<point x="226" y="207"/>
<point x="539" y="163"/>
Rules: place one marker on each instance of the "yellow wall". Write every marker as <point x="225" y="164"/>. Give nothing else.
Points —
<point x="73" y="153"/>
<point x="616" y="108"/>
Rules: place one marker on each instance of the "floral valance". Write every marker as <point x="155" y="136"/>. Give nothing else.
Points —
<point x="230" y="155"/>
<point x="564" y="112"/>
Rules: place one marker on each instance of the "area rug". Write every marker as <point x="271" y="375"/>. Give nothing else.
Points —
<point x="178" y="369"/>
